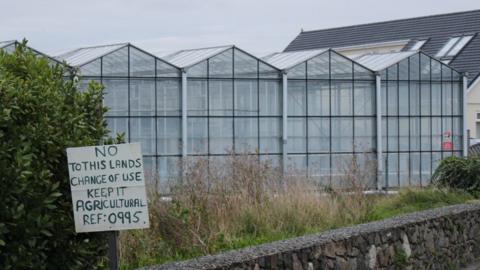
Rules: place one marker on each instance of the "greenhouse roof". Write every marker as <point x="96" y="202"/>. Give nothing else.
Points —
<point x="286" y="60"/>
<point x="378" y="62"/>
<point x="85" y="55"/>
<point x="188" y="58"/>
<point x="6" y="43"/>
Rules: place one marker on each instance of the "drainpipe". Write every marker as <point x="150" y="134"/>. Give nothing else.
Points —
<point x="378" y="102"/>
<point x="465" y="136"/>
<point x="184" y="113"/>
<point x="285" y="121"/>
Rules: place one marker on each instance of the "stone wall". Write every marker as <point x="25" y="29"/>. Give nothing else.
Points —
<point x="442" y="238"/>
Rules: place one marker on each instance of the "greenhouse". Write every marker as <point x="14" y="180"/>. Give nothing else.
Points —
<point x="233" y="103"/>
<point x="309" y="112"/>
<point x="143" y="94"/>
<point x="330" y="115"/>
<point x="422" y="112"/>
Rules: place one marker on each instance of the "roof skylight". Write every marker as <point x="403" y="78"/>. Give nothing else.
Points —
<point x="453" y="46"/>
<point x="418" y="45"/>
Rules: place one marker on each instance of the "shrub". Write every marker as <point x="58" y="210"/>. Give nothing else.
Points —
<point x="459" y="173"/>
<point x="41" y="114"/>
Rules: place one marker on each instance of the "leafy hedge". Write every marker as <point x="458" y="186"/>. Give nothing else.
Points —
<point x="41" y="114"/>
<point x="459" y="173"/>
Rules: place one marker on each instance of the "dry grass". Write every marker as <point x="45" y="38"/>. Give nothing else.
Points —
<point x="241" y="201"/>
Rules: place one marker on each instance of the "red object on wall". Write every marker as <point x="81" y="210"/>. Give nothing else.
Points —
<point x="447" y="146"/>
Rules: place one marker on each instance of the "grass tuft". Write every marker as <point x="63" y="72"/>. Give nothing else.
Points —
<point x="412" y="200"/>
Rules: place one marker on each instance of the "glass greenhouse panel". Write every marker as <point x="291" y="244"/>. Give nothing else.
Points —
<point x="169" y="100"/>
<point x="115" y="64"/>
<point x="246" y="135"/>
<point x="341" y="67"/>
<point x="342" y="98"/>
<point x="142" y="97"/>
<point x="246" y="97"/>
<point x="364" y="98"/>
<point x="298" y="72"/>
<point x="166" y="70"/>
<point x="197" y="130"/>
<point x="141" y="64"/>
<point x="425" y="67"/>
<point x="245" y="65"/>
<point x="199" y="70"/>
<point x="297" y="98"/>
<point x="142" y="130"/>
<point x="403" y="98"/>
<point x="169" y="173"/>
<point x="342" y="134"/>
<point x="91" y="69"/>
<point x="319" y="168"/>
<point x="362" y="73"/>
<point x="221" y="135"/>
<point x="270" y="135"/>
<point x="318" y="97"/>
<point x="117" y="125"/>
<point x="297" y="164"/>
<point x="267" y="72"/>
<point x="318" y="135"/>
<point x="197" y="97"/>
<point x="364" y="140"/>
<point x="318" y="67"/>
<point x="169" y="136"/>
<point x="220" y="93"/>
<point x="270" y="98"/>
<point x="297" y="135"/>
<point x="116" y="97"/>
<point x="150" y="171"/>
<point x="221" y="66"/>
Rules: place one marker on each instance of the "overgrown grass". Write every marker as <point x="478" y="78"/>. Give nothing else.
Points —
<point x="243" y="202"/>
<point x="411" y="200"/>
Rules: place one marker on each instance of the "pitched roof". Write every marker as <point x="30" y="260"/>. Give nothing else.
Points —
<point x="85" y="55"/>
<point x="6" y="43"/>
<point x="381" y="61"/>
<point x="286" y="60"/>
<point x="52" y="60"/>
<point x="437" y="29"/>
<point x="188" y="58"/>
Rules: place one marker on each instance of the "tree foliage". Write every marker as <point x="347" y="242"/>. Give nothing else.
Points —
<point x="41" y="114"/>
<point x="459" y="173"/>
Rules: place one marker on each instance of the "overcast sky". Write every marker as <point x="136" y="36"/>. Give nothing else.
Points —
<point x="258" y="26"/>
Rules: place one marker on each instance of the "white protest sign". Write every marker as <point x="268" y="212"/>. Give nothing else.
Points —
<point x="108" y="187"/>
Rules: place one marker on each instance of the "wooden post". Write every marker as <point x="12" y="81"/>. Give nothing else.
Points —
<point x="113" y="254"/>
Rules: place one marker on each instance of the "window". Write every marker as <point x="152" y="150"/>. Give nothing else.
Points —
<point x="477" y="124"/>
<point x="453" y="46"/>
<point x="460" y="44"/>
<point x="417" y="45"/>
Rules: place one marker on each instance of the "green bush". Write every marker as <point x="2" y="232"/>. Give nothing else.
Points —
<point x="41" y="114"/>
<point x="459" y="173"/>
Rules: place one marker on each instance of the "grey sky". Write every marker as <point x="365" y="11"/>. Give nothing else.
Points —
<point x="260" y="26"/>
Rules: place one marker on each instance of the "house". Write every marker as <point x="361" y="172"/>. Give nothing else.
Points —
<point x="452" y="38"/>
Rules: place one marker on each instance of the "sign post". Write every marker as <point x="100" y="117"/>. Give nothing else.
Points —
<point x="108" y="190"/>
<point x="113" y="256"/>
